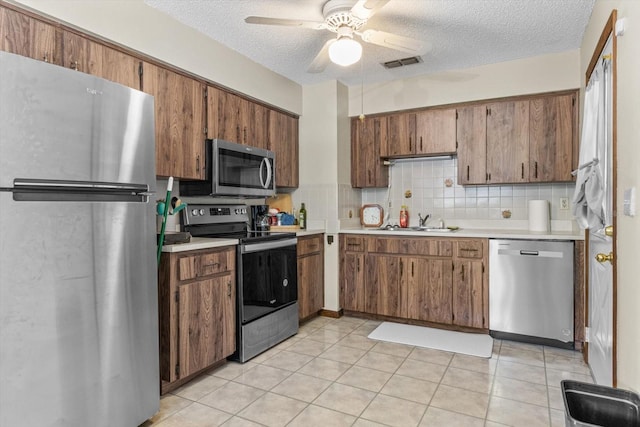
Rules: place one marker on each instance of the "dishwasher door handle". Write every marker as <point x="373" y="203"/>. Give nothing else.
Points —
<point x="529" y="253"/>
<point x="525" y="252"/>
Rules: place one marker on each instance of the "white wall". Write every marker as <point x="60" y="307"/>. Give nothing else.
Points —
<point x="545" y="73"/>
<point x="628" y="232"/>
<point x="133" y="24"/>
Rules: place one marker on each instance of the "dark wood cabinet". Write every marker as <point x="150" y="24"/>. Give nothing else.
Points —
<point x="179" y="119"/>
<point x="508" y="142"/>
<point x="367" y="138"/>
<point x="26" y="36"/>
<point x="197" y="312"/>
<point x="352" y="292"/>
<point x="551" y="138"/>
<point x="310" y="275"/>
<point x="401" y="140"/>
<point x="470" y="284"/>
<point x="440" y="281"/>
<point x="87" y="56"/>
<point x="283" y="141"/>
<point x="472" y="145"/>
<point x="435" y="132"/>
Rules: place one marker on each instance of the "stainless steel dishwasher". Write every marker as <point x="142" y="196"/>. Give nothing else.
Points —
<point x="531" y="291"/>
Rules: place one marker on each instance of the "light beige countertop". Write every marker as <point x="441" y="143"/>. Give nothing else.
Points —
<point x="490" y="233"/>
<point x="309" y="232"/>
<point x="200" y="243"/>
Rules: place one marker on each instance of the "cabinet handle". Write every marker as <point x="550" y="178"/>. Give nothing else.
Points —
<point x="468" y="250"/>
<point x="410" y="144"/>
<point x="536" y="169"/>
<point x="228" y="289"/>
<point x="411" y="268"/>
<point x="244" y="134"/>
<point x="522" y="170"/>
<point x="462" y="271"/>
<point x="467" y="172"/>
<point x="213" y="265"/>
<point x="420" y="143"/>
<point x="401" y="268"/>
<point x="358" y="265"/>
<point x="238" y="134"/>
<point x="198" y="163"/>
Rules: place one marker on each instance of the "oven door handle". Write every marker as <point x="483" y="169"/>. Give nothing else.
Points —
<point x="256" y="247"/>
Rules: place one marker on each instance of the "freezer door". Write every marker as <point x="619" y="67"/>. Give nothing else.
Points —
<point x="78" y="313"/>
<point x="59" y="124"/>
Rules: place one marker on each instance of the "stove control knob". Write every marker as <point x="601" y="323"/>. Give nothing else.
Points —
<point x="201" y="211"/>
<point x="194" y="212"/>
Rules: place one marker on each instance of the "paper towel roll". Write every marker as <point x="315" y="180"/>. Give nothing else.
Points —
<point x="539" y="215"/>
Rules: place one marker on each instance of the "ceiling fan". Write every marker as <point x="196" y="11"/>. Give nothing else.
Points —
<point x="345" y="18"/>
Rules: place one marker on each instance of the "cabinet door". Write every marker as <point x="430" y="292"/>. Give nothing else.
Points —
<point x="384" y="290"/>
<point x="84" y="55"/>
<point x="23" y="35"/>
<point x="402" y="135"/>
<point x="508" y="142"/>
<point x="436" y="132"/>
<point x="472" y="145"/>
<point x="283" y="140"/>
<point x="179" y="116"/>
<point x="468" y="288"/>
<point x="352" y="289"/>
<point x="367" y="169"/>
<point x="206" y="319"/>
<point x="310" y="284"/>
<point x="551" y="138"/>
<point x="429" y="289"/>
<point x="224" y="110"/>
<point x="257" y="124"/>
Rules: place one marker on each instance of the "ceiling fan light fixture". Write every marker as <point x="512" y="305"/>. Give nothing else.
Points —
<point x="345" y="51"/>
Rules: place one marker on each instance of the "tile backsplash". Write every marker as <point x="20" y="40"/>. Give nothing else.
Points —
<point x="434" y="190"/>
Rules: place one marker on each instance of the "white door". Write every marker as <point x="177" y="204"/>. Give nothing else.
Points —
<point x="601" y="272"/>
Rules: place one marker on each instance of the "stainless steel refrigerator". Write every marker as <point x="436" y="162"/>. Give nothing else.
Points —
<point x="78" y="275"/>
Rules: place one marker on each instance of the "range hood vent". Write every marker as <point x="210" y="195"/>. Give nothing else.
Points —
<point x="402" y="62"/>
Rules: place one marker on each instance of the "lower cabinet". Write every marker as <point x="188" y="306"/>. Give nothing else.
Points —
<point x="197" y="312"/>
<point x="427" y="279"/>
<point x="310" y="275"/>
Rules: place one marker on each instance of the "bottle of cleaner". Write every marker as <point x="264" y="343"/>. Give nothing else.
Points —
<point x="404" y="216"/>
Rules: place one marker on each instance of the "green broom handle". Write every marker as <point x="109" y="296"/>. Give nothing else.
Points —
<point x="164" y="217"/>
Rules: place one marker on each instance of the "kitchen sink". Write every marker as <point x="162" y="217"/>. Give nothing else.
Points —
<point x="423" y="229"/>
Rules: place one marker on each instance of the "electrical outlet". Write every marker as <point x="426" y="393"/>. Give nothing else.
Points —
<point x="564" y="203"/>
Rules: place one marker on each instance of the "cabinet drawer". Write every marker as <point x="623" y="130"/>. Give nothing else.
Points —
<point x="205" y="264"/>
<point x="469" y="249"/>
<point x="309" y="244"/>
<point x="353" y="243"/>
<point x="422" y="246"/>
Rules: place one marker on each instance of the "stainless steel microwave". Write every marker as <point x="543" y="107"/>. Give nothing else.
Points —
<point x="234" y="170"/>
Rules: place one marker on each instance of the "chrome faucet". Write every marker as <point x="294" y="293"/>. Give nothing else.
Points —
<point x="423" y="221"/>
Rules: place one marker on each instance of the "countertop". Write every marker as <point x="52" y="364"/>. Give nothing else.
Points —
<point x="491" y="233"/>
<point x="208" y="243"/>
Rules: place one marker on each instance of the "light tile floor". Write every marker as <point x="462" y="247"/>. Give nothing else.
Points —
<point x="331" y="374"/>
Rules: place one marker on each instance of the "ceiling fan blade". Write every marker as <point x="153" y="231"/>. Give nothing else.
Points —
<point x="365" y="9"/>
<point x="322" y="59"/>
<point x="286" y="22"/>
<point x="394" y="41"/>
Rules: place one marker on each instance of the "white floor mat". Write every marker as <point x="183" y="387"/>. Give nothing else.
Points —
<point x="480" y="345"/>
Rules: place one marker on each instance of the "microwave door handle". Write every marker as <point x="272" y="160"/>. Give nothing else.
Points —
<point x="269" y="173"/>
<point x="265" y="183"/>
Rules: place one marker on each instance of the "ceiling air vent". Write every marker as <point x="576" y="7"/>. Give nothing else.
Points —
<point x="402" y="62"/>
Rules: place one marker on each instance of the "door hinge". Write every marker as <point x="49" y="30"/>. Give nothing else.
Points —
<point x="456" y="145"/>
<point x="177" y="370"/>
<point x="140" y="69"/>
<point x="206" y="130"/>
<point x="205" y="92"/>
<point x="587" y="334"/>
<point x="453" y="266"/>
<point x="573" y="101"/>
<point x="456" y="115"/>
<point x="177" y="296"/>
<point x="483" y="267"/>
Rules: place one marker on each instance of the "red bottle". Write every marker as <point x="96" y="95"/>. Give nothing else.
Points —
<point x="404" y="217"/>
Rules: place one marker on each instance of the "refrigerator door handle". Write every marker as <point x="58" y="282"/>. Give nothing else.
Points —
<point x="89" y="191"/>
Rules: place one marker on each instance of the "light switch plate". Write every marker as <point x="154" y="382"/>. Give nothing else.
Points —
<point x="629" y="207"/>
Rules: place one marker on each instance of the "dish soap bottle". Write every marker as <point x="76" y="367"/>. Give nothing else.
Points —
<point x="302" y="217"/>
<point x="404" y="216"/>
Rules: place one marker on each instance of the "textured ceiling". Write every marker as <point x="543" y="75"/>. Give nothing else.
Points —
<point x="462" y="33"/>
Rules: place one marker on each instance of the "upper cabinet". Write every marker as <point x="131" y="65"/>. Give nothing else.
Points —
<point x="23" y="35"/>
<point x="508" y="142"/>
<point x="283" y="140"/>
<point x="82" y="54"/>
<point x="236" y="119"/>
<point x="428" y="132"/>
<point x="179" y="117"/>
<point x="521" y="141"/>
<point x="367" y="137"/>
<point x="552" y="138"/>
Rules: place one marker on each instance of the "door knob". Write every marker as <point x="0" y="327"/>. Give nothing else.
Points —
<point x="605" y="257"/>
<point x="608" y="230"/>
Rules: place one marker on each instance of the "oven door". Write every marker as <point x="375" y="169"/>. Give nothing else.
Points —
<point x="268" y="277"/>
